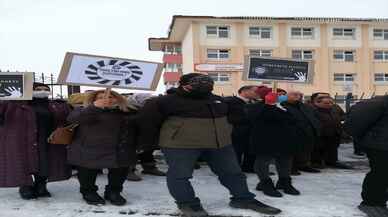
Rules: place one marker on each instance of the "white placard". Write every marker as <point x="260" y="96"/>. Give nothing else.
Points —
<point x="218" y="67"/>
<point x="90" y="70"/>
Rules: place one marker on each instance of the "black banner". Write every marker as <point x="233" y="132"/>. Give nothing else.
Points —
<point x="267" y="69"/>
<point x="11" y="86"/>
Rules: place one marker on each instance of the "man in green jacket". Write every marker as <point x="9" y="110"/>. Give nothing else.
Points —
<point x="189" y="124"/>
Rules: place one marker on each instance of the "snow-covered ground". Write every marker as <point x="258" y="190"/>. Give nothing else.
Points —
<point x="332" y="193"/>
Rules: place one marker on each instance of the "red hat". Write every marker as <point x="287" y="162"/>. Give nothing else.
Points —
<point x="271" y="98"/>
<point x="262" y="91"/>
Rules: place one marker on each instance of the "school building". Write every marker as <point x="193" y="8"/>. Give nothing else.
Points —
<point x="349" y="54"/>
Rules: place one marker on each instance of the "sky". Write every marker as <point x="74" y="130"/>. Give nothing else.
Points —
<point x="36" y="34"/>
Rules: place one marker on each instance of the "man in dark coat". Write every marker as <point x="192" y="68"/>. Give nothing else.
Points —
<point x="241" y="125"/>
<point x="273" y="136"/>
<point x="326" y="153"/>
<point x="368" y="121"/>
<point x="193" y="123"/>
<point x="306" y="123"/>
<point x="26" y="158"/>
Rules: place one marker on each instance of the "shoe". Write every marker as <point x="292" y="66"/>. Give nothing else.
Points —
<point x="192" y="210"/>
<point x="41" y="190"/>
<point x="93" y="198"/>
<point x="255" y="205"/>
<point x="27" y="192"/>
<point x="374" y="211"/>
<point x="359" y="153"/>
<point x="153" y="171"/>
<point x="115" y="198"/>
<point x="340" y="166"/>
<point x="318" y="166"/>
<point x="268" y="188"/>
<point x="309" y="170"/>
<point x="285" y="184"/>
<point x="295" y="173"/>
<point x="197" y="166"/>
<point x="132" y="176"/>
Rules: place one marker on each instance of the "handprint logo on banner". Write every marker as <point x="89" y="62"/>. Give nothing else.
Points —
<point x="114" y="72"/>
<point x="302" y="77"/>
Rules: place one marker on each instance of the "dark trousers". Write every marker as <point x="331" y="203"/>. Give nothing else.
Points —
<point x="147" y="159"/>
<point x="87" y="179"/>
<point x="283" y="166"/>
<point x="244" y="158"/>
<point x="326" y="152"/>
<point x="221" y="161"/>
<point x="374" y="188"/>
<point x="303" y="158"/>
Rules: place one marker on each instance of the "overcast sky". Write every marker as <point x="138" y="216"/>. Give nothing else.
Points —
<point x="35" y="34"/>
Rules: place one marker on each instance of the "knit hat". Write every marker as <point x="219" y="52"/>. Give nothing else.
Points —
<point x="139" y="99"/>
<point x="191" y="77"/>
<point x="38" y="84"/>
<point x="271" y="98"/>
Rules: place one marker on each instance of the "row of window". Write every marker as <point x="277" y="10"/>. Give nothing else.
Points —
<point x="172" y="67"/>
<point x="338" y="55"/>
<point x="338" y="77"/>
<point x="265" y="32"/>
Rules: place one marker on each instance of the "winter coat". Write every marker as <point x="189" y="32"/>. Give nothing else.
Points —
<point x="238" y="117"/>
<point x="306" y="121"/>
<point x="105" y="138"/>
<point x="331" y="129"/>
<point x="19" y="148"/>
<point x="273" y="131"/>
<point x="368" y="122"/>
<point x="182" y="121"/>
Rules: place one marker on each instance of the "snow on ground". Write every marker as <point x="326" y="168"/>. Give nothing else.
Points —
<point x="333" y="193"/>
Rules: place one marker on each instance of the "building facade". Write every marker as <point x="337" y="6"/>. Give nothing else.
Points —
<point x="349" y="55"/>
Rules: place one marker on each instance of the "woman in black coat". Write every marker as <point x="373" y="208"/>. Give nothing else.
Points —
<point x="105" y="138"/>
<point x="274" y="136"/>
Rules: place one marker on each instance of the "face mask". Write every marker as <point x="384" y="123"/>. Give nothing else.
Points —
<point x="201" y="85"/>
<point x="41" y="94"/>
<point x="282" y="98"/>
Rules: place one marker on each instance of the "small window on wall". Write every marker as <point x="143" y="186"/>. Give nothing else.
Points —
<point x="345" y="33"/>
<point x="260" y="53"/>
<point x="220" y="77"/>
<point x="172" y="67"/>
<point x="380" y="34"/>
<point x="217" y="31"/>
<point x="302" y="54"/>
<point x="381" y="77"/>
<point x="218" y="54"/>
<point x="341" y="77"/>
<point x="260" y="32"/>
<point x="381" y="55"/>
<point x="346" y="56"/>
<point x="298" y="32"/>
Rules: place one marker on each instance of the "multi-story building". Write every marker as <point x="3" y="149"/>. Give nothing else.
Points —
<point x="349" y="55"/>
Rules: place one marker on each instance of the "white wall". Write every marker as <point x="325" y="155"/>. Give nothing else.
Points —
<point x="377" y="43"/>
<point x="332" y="42"/>
<point x="188" y="52"/>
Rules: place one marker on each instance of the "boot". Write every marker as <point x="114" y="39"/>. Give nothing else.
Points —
<point x="192" y="210"/>
<point x="268" y="188"/>
<point x="374" y="211"/>
<point x="40" y="188"/>
<point x="27" y="192"/>
<point x="132" y="176"/>
<point x="255" y="205"/>
<point x="93" y="198"/>
<point x="152" y="170"/>
<point x="339" y="165"/>
<point x="115" y="198"/>
<point x="309" y="169"/>
<point x="286" y="185"/>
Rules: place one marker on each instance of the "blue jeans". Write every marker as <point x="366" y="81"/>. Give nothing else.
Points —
<point x="222" y="162"/>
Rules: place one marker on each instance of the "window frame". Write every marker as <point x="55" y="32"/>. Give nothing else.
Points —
<point x="343" y="31"/>
<point x="219" y="77"/>
<point x="344" y="54"/>
<point x="302" y="54"/>
<point x="344" y="77"/>
<point x="261" y="52"/>
<point x="217" y="31"/>
<point x="302" y="33"/>
<point x="218" y="54"/>
<point x="384" y="55"/>
<point x="259" y="30"/>
<point x="384" y="76"/>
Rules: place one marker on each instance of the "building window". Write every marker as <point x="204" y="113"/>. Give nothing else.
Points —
<point x="380" y="34"/>
<point x="217" y="31"/>
<point x="298" y="32"/>
<point x="341" y="77"/>
<point x="381" y="55"/>
<point x="346" y="56"/>
<point x="172" y="49"/>
<point x="260" y="32"/>
<point x="220" y="77"/>
<point x="260" y="53"/>
<point x="302" y="54"/>
<point x="381" y="77"/>
<point x="219" y="54"/>
<point x="344" y="32"/>
<point x="172" y="67"/>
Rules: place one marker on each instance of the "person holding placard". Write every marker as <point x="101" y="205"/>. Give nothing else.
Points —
<point x="29" y="161"/>
<point x="191" y="123"/>
<point x="105" y="138"/>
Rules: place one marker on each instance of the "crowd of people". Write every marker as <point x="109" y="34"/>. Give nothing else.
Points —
<point x="233" y="135"/>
